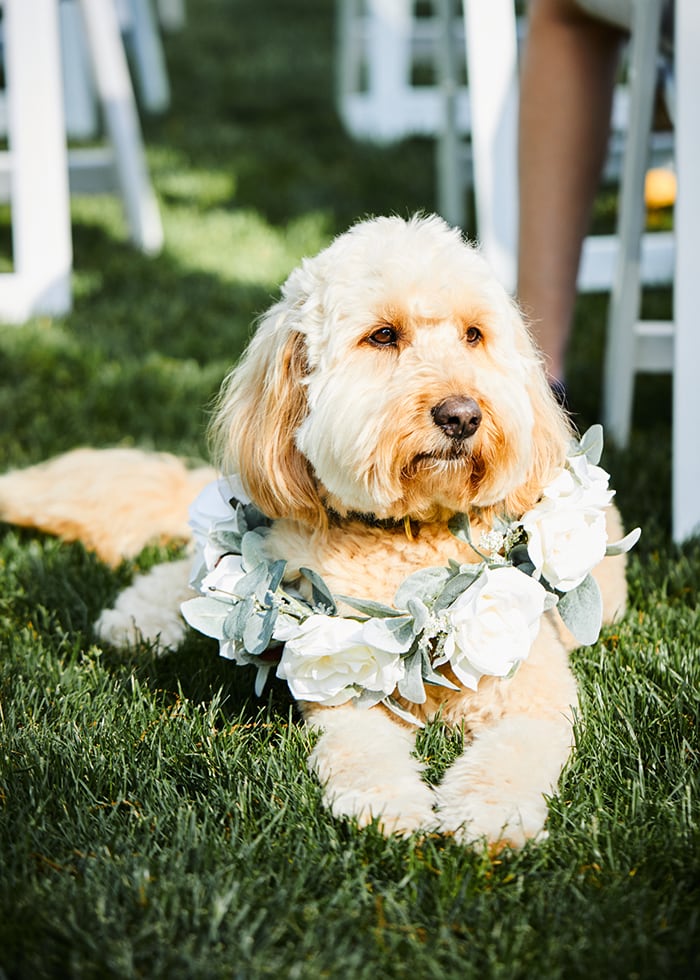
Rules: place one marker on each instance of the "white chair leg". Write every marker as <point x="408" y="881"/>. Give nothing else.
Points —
<point x="41" y="281"/>
<point x="686" y="389"/>
<point x="148" y="56"/>
<point x="121" y="119"/>
<point x="493" y="94"/>
<point x="451" y="182"/>
<point x="79" y="97"/>
<point x="620" y="356"/>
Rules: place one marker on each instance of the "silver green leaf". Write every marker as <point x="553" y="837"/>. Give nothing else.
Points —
<point x="424" y="584"/>
<point x="411" y="684"/>
<point x="591" y="444"/>
<point x="322" y="598"/>
<point x="257" y="632"/>
<point x="622" y="546"/>
<point x="206" y="615"/>
<point x="582" y="611"/>
<point x="370" y="608"/>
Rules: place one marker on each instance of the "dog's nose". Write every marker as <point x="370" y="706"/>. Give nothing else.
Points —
<point x="458" y="416"/>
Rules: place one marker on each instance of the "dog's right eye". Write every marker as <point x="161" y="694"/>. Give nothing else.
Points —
<point x="383" y="337"/>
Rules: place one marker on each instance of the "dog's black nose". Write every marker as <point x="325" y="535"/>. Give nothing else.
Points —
<point x="458" y="416"/>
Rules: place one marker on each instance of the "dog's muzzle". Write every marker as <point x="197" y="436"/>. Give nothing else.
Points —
<point x="458" y="416"/>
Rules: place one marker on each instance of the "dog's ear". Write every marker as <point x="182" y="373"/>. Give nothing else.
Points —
<point x="261" y="405"/>
<point x="552" y="430"/>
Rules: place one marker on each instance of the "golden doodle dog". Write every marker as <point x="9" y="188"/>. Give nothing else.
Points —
<point x="393" y="387"/>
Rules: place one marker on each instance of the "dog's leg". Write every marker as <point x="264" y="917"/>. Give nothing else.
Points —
<point x="363" y="759"/>
<point x="496" y="789"/>
<point x="149" y="609"/>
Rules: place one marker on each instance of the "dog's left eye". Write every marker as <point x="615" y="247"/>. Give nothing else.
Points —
<point x="473" y="336"/>
<point x="384" y="337"/>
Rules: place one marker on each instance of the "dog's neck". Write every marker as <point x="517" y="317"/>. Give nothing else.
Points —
<point x="410" y="527"/>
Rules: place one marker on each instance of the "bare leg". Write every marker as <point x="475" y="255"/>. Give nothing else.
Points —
<point x="567" y="83"/>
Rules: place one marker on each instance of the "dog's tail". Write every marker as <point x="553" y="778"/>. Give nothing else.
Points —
<point x="113" y="500"/>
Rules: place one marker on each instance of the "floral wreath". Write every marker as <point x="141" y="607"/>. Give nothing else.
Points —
<point x="481" y="619"/>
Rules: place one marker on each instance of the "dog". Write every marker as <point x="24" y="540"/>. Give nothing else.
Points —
<point x="393" y="386"/>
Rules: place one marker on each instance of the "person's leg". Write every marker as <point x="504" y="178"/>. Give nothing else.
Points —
<point x="568" y="77"/>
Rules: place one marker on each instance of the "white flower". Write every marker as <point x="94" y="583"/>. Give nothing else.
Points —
<point x="567" y="533"/>
<point x="565" y="543"/>
<point x="330" y="661"/>
<point x="224" y="578"/>
<point x="493" y="625"/>
<point x="212" y="510"/>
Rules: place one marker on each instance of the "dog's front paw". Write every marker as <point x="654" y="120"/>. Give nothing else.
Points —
<point x="395" y="813"/>
<point x="149" y="609"/>
<point x="497" y="789"/>
<point x="500" y="822"/>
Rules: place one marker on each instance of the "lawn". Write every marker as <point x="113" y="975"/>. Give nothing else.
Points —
<point x="156" y="819"/>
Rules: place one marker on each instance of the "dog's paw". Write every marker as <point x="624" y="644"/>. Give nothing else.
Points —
<point x="497" y="789"/>
<point x="500" y="822"/>
<point x="149" y="609"/>
<point x="394" y="813"/>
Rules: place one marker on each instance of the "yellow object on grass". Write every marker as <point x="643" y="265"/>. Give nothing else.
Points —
<point x="660" y="188"/>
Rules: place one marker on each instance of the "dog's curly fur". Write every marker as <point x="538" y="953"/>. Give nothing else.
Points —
<point x="332" y="421"/>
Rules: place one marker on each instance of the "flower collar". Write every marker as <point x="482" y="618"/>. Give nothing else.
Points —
<point x="478" y="619"/>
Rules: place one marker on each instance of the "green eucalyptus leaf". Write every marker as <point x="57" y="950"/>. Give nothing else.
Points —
<point x="432" y="676"/>
<point x="456" y="586"/>
<point x="461" y="528"/>
<point x="206" y="615"/>
<point x="277" y="569"/>
<point x="229" y="540"/>
<point x="253" y="549"/>
<point x="423" y="584"/>
<point x="411" y="684"/>
<point x="591" y="444"/>
<point x="261" y="678"/>
<point x="255" y="520"/>
<point x="367" y="699"/>
<point x="322" y="597"/>
<point x="420" y="613"/>
<point x="257" y="632"/>
<point x="582" y="611"/>
<point x="401" y="712"/>
<point x="368" y="607"/>
<point x="622" y="546"/>
<point x="250" y="583"/>
<point x="238" y="616"/>
<point x="395" y="634"/>
<point x="519" y="556"/>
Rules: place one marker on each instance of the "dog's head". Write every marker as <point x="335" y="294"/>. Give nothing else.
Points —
<point x="395" y="378"/>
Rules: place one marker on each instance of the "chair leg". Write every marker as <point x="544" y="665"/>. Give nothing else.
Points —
<point x="493" y="97"/>
<point x="686" y="390"/>
<point x="121" y="119"/>
<point x="41" y="231"/>
<point x="620" y="355"/>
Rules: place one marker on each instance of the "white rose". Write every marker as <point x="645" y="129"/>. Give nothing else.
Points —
<point x="212" y="509"/>
<point x="565" y="542"/>
<point x="224" y="577"/>
<point x="581" y="484"/>
<point x="493" y="625"/>
<point x="329" y="660"/>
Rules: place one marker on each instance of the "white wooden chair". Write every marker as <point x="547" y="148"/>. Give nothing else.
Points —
<point x="37" y="173"/>
<point x="634" y="345"/>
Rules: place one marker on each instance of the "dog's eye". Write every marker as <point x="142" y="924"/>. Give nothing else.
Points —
<point x="383" y="337"/>
<point x="474" y="336"/>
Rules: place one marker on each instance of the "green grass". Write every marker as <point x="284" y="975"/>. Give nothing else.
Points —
<point x="157" y="820"/>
